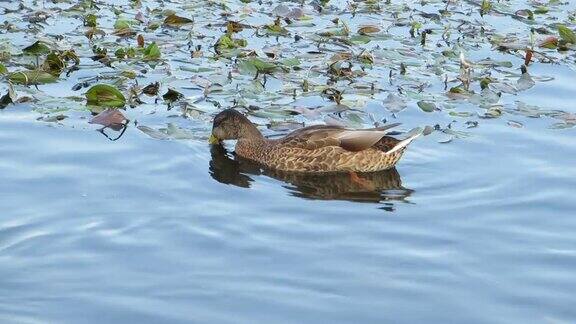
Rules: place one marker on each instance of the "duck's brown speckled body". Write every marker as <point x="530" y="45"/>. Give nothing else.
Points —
<point x="319" y="148"/>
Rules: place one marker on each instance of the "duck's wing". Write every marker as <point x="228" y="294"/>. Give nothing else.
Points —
<point x="318" y="136"/>
<point x="313" y="137"/>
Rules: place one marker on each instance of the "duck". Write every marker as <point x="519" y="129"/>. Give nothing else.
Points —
<point x="374" y="187"/>
<point x="313" y="149"/>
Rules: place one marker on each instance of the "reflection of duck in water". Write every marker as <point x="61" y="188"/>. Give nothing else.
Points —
<point x="320" y="148"/>
<point x="370" y="187"/>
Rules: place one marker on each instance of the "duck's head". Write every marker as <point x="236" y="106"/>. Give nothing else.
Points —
<point x="230" y="125"/>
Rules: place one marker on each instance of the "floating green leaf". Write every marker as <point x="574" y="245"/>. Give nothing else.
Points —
<point x="38" y="48"/>
<point x="257" y="65"/>
<point x="152" y="52"/>
<point x="567" y="34"/>
<point x="105" y="95"/>
<point x="525" y="13"/>
<point x="3" y="69"/>
<point x="90" y="20"/>
<point x="366" y="30"/>
<point x="460" y="114"/>
<point x="32" y="77"/>
<point x="123" y="23"/>
<point x="291" y="62"/>
<point x="485" y="7"/>
<point x="541" y="10"/>
<point x="276" y="28"/>
<point x="226" y="43"/>
<point x="360" y="39"/>
<point x="176" y="21"/>
<point x="53" y="64"/>
<point x="427" y="106"/>
<point x="129" y="52"/>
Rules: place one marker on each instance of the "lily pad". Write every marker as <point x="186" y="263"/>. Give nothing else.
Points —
<point x="54" y="64"/>
<point x="105" y="95"/>
<point x="32" y="77"/>
<point x="567" y="34"/>
<point x="426" y="106"/>
<point x="123" y="23"/>
<point x="367" y="30"/>
<point x="152" y="52"/>
<point x="176" y="21"/>
<point x="38" y="48"/>
<point x="256" y="65"/>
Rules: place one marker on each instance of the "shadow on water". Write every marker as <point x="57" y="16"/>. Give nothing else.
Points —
<point x="228" y="168"/>
<point x="117" y="131"/>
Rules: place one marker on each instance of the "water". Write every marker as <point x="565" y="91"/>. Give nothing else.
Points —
<point x="138" y="230"/>
<point x="143" y="230"/>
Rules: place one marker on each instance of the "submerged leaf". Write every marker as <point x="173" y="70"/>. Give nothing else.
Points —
<point x="460" y="114"/>
<point x="394" y="103"/>
<point x="155" y="134"/>
<point x="493" y="112"/>
<point x="53" y="118"/>
<point x="525" y="82"/>
<point x="515" y="124"/>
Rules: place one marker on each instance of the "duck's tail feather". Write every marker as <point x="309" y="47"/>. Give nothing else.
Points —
<point x="412" y="135"/>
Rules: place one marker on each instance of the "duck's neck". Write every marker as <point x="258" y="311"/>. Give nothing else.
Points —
<point x="251" y="133"/>
<point x="251" y="144"/>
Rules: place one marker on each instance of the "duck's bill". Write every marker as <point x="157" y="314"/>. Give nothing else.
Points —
<point x="213" y="139"/>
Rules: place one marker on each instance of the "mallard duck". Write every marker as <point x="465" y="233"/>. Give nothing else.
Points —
<point x="378" y="186"/>
<point x="319" y="148"/>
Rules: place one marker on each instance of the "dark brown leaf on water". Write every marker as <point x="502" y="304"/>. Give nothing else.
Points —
<point x="5" y="100"/>
<point x="528" y="57"/>
<point x="151" y="89"/>
<point x="140" y="40"/>
<point x="172" y="95"/>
